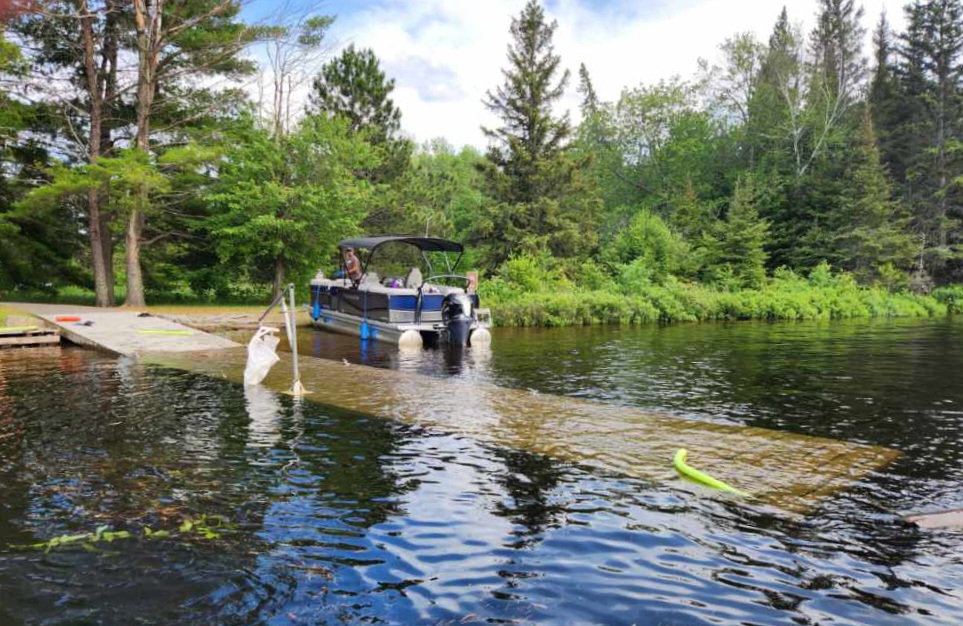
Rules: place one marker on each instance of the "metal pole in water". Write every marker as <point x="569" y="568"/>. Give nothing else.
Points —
<point x="296" y="388"/>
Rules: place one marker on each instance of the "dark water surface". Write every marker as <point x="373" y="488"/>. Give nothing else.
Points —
<point x="327" y="517"/>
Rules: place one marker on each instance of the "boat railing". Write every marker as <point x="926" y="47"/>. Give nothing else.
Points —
<point x="428" y="281"/>
<point x="439" y="276"/>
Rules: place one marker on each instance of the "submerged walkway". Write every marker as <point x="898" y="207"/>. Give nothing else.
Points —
<point x="123" y="332"/>
<point x="777" y="468"/>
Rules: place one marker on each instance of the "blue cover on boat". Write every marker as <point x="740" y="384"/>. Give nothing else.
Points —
<point x="429" y="302"/>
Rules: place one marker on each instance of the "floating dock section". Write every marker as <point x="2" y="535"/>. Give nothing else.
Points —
<point x="26" y="335"/>
<point x="128" y="333"/>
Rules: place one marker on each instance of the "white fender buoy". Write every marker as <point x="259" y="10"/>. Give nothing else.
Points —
<point x="410" y="339"/>
<point x="480" y="337"/>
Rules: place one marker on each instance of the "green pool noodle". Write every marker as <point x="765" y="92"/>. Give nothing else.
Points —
<point x="158" y="331"/>
<point x="687" y="470"/>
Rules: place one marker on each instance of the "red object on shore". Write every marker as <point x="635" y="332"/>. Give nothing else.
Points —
<point x="67" y="318"/>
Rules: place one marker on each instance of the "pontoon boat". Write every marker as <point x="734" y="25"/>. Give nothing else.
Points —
<point x="402" y="307"/>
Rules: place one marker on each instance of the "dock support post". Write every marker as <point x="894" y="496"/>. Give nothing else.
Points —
<point x="297" y="389"/>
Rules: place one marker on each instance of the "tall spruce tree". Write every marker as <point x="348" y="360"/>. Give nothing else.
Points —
<point x="734" y="252"/>
<point x="544" y="202"/>
<point x="590" y="99"/>
<point x="868" y="227"/>
<point x="884" y="99"/>
<point x="776" y="109"/>
<point x="531" y="135"/>
<point x="931" y="75"/>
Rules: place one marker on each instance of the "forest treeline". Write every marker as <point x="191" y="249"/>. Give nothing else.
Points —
<point x="139" y="164"/>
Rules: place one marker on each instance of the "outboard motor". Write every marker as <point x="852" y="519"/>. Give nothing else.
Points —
<point x="456" y="312"/>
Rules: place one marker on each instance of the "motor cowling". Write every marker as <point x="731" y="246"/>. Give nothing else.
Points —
<point x="456" y="312"/>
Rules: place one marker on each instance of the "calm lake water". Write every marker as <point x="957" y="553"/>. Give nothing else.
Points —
<point x="323" y="516"/>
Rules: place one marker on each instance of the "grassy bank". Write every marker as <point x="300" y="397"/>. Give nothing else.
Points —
<point x="244" y="296"/>
<point x="787" y="296"/>
<point x="535" y="297"/>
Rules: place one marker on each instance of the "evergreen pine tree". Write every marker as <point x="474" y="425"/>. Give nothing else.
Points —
<point x="868" y="226"/>
<point x="590" y="99"/>
<point x="927" y="139"/>
<point x="774" y="133"/>
<point x="838" y="61"/>
<point x="544" y="200"/>
<point x="353" y="86"/>
<point x="531" y="135"/>
<point x="736" y="251"/>
<point x="884" y="100"/>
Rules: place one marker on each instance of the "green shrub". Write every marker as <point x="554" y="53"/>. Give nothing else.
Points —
<point x="823" y="295"/>
<point x="648" y="242"/>
<point x="892" y="278"/>
<point x="636" y="276"/>
<point x="531" y="273"/>
<point x="593" y="276"/>
<point x="951" y="296"/>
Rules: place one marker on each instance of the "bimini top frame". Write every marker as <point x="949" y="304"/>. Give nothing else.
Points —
<point x="425" y="244"/>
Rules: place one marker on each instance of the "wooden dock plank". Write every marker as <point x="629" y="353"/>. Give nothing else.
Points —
<point x="130" y="335"/>
<point x="32" y="339"/>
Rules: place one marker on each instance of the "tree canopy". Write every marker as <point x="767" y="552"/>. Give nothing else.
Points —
<point x="128" y="167"/>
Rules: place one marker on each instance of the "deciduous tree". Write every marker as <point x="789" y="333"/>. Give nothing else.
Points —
<point x="282" y="203"/>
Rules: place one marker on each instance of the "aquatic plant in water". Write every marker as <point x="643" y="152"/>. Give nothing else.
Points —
<point x="102" y="534"/>
<point x="204" y="527"/>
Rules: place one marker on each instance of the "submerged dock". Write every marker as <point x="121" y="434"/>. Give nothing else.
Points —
<point x="792" y="472"/>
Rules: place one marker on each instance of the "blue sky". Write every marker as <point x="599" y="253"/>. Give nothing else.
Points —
<point x="444" y="54"/>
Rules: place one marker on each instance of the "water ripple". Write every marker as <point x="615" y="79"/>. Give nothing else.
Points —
<point x="341" y="518"/>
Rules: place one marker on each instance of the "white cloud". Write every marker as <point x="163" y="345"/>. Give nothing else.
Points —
<point x="445" y="54"/>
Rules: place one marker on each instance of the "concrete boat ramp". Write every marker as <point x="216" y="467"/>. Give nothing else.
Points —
<point x="789" y="471"/>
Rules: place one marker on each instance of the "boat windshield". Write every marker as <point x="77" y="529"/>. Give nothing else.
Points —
<point x="398" y="264"/>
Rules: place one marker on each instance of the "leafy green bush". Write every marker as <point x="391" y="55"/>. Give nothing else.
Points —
<point x="892" y="278"/>
<point x="951" y="296"/>
<point x="532" y="273"/>
<point x="786" y="296"/>
<point x="593" y="276"/>
<point x="648" y="242"/>
<point x="636" y="276"/>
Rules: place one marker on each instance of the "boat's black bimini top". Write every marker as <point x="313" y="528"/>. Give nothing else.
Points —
<point x="425" y="244"/>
